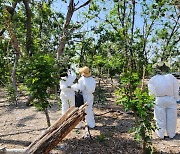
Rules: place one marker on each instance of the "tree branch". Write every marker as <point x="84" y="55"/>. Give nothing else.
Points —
<point x="11" y="10"/>
<point x="115" y="28"/>
<point x="119" y="15"/>
<point x="28" y="26"/>
<point x="14" y="40"/>
<point x="86" y="3"/>
<point x="173" y="31"/>
<point x="71" y="10"/>
<point x="132" y="28"/>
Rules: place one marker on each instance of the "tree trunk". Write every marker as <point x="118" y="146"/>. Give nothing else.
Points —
<point x="65" y="29"/>
<point x="13" y="78"/>
<point x="47" y="117"/>
<point x="54" y="134"/>
<point x="15" y="44"/>
<point x="63" y="38"/>
<point x="28" y="27"/>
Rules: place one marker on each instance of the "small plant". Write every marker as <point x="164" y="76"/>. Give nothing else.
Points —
<point x="101" y="138"/>
<point x="136" y="99"/>
<point x="10" y="93"/>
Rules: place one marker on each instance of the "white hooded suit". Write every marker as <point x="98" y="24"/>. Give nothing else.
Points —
<point x="87" y="85"/>
<point x="67" y="95"/>
<point x="165" y="88"/>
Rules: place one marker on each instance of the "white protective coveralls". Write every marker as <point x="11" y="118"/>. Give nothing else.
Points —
<point x="87" y="85"/>
<point x="67" y="95"/>
<point x="165" y="88"/>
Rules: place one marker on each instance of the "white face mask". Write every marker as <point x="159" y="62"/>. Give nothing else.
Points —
<point x="64" y="78"/>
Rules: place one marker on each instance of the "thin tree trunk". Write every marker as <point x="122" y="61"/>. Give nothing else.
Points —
<point x="12" y="71"/>
<point x="14" y="40"/>
<point x="142" y="86"/>
<point x="144" y="143"/>
<point x="15" y="44"/>
<point x="132" y="28"/>
<point x="28" y="27"/>
<point x="13" y="78"/>
<point x="47" y="117"/>
<point x="62" y="41"/>
<point x="132" y="62"/>
<point x="112" y="86"/>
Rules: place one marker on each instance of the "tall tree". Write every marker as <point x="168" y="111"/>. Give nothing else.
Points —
<point x="65" y="31"/>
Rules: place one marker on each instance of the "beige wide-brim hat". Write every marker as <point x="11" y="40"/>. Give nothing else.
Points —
<point x="85" y="71"/>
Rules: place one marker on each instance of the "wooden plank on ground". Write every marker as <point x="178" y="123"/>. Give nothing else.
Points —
<point x="49" y="139"/>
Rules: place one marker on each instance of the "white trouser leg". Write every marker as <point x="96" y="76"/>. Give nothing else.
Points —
<point x="65" y="105"/>
<point x="72" y="101"/>
<point x="160" y="117"/>
<point x="171" y="120"/>
<point x="89" y="118"/>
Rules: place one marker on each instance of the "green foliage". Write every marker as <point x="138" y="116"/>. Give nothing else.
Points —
<point x="100" y="97"/>
<point x="10" y="93"/>
<point x="138" y="100"/>
<point x="41" y="76"/>
<point x="114" y="64"/>
<point x="101" y="138"/>
<point x="111" y="41"/>
<point x="99" y="61"/>
<point x="4" y="70"/>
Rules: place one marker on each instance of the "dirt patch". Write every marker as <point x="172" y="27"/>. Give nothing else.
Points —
<point x="21" y="125"/>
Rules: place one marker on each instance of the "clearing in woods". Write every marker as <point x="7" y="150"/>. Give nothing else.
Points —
<point x="21" y="125"/>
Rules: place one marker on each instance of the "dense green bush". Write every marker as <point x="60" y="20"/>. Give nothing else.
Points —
<point x="41" y="75"/>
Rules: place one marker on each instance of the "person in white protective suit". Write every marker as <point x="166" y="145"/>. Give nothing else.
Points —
<point x="165" y="89"/>
<point x="87" y="85"/>
<point x="67" y="94"/>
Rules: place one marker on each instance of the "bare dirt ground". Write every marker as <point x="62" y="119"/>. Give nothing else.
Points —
<point x="20" y="125"/>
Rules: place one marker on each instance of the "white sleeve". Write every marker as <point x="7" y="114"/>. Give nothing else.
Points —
<point x="151" y="87"/>
<point x="176" y="88"/>
<point x="63" y="85"/>
<point x="70" y="79"/>
<point x="72" y="74"/>
<point x="75" y="87"/>
<point x="79" y="85"/>
<point x="90" y="84"/>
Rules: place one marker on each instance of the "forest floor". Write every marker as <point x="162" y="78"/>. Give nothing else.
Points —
<point x="20" y="125"/>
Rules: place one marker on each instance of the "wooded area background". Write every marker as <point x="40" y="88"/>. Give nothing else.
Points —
<point x="116" y="38"/>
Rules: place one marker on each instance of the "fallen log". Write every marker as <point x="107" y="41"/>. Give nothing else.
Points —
<point x="54" y="134"/>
